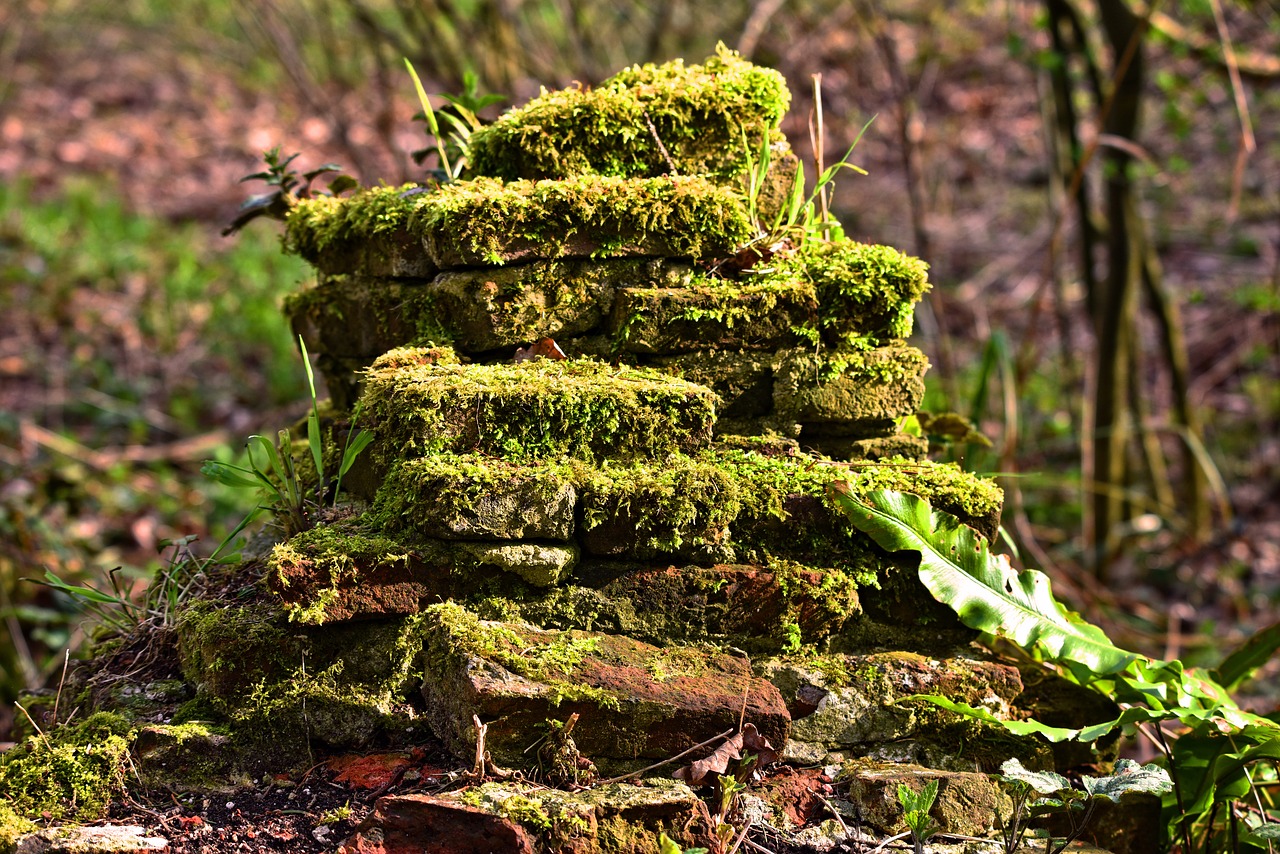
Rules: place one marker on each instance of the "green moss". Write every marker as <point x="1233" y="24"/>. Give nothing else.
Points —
<point x="328" y="557"/>
<point x="475" y="497"/>
<point x="863" y="290"/>
<point x="328" y="224"/>
<point x="545" y="657"/>
<point x="71" y="772"/>
<point x="488" y="222"/>
<point x="535" y="409"/>
<point x="505" y="307"/>
<point x="700" y="113"/>
<point x="651" y="508"/>
<point x="847" y="384"/>
<point x="13" y="826"/>
<point x="710" y="313"/>
<point x="225" y="648"/>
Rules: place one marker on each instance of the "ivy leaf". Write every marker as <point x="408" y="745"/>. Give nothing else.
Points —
<point x="984" y="589"/>
<point x="1129" y="777"/>
<point x="1044" y="782"/>
<point x="1263" y="834"/>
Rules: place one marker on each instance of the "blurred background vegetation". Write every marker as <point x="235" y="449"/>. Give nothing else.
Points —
<point x="1095" y="184"/>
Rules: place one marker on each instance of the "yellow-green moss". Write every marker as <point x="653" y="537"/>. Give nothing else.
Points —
<point x="328" y="557"/>
<point x="486" y="221"/>
<point x="453" y="633"/>
<point x="699" y="112"/>
<point x="664" y="502"/>
<point x="71" y="772"/>
<point x="711" y="313"/>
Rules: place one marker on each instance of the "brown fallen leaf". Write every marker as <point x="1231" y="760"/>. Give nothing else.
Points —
<point x="756" y="745"/>
<point x="545" y="348"/>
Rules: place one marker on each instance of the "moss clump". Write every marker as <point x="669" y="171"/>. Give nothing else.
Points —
<point x="850" y="385"/>
<point x="533" y="410"/>
<point x="699" y="112"/>
<point x="864" y="291"/>
<point x="491" y="308"/>
<point x="327" y="558"/>
<point x="711" y="313"/>
<point x="71" y="772"/>
<point x="550" y="658"/>
<point x="488" y="222"/>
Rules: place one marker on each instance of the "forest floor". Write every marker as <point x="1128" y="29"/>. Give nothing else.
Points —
<point x="169" y="132"/>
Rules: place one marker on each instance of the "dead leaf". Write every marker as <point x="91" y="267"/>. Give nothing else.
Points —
<point x="699" y="773"/>
<point x="544" y="348"/>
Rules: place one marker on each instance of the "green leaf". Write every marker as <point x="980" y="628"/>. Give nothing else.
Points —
<point x="86" y="594"/>
<point x="358" y="443"/>
<point x="984" y="590"/>
<point x="229" y="475"/>
<point x="1252" y="654"/>
<point x="1044" y="782"/>
<point x="1129" y="777"/>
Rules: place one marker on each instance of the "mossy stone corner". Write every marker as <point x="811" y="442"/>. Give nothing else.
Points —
<point x="636" y="701"/>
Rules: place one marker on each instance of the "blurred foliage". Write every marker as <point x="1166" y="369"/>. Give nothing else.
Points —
<point x="129" y="339"/>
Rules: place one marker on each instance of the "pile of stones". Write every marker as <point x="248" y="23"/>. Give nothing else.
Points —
<point x="611" y="380"/>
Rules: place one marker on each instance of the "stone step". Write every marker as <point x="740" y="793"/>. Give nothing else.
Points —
<point x="863" y="290"/>
<point x="722" y="504"/>
<point x="855" y="706"/>
<point x="521" y="818"/>
<point x="538" y="409"/>
<point x="635" y="702"/>
<point x="848" y="386"/>
<point x="486" y="222"/>
<point x="710" y="315"/>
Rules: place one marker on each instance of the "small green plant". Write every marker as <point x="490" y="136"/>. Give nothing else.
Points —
<point x="666" y="845"/>
<point x="915" y="812"/>
<point x="453" y="151"/>
<point x="800" y="218"/>
<point x="1039" y="793"/>
<point x="120" y="612"/>
<point x="273" y="471"/>
<point x="289" y="187"/>
<point x="1223" y="762"/>
<point x="337" y="814"/>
